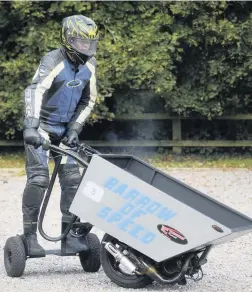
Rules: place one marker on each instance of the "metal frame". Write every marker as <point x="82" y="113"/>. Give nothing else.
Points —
<point x="83" y="163"/>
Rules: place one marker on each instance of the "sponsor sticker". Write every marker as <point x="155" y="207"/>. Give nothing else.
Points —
<point x="93" y="191"/>
<point x="172" y="234"/>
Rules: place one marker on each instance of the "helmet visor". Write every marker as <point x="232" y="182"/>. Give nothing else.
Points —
<point x="84" y="46"/>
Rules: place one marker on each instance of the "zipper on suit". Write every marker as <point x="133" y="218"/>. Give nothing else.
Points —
<point x="75" y="70"/>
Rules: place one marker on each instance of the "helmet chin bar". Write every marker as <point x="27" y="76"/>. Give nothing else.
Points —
<point x="79" y="58"/>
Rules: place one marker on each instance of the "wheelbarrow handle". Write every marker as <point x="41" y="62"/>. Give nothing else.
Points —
<point x="47" y="145"/>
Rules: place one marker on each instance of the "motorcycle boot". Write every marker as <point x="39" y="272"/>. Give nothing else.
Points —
<point x="33" y="248"/>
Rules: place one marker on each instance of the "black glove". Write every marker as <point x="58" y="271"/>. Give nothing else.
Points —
<point x="32" y="137"/>
<point x="71" y="138"/>
<point x="72" y="134"/>
<point x="30" y="133"/>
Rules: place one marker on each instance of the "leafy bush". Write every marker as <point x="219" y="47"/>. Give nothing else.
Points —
<point x="194" y="58"/>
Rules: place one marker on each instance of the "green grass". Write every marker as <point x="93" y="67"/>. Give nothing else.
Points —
<point x="12" y="160"/>
<point x="17" y="160"/>
<point x="199" y="161"/>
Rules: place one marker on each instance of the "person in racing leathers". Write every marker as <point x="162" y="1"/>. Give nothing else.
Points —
<point x="58" y="101"/>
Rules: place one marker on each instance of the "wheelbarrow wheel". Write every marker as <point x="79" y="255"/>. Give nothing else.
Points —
<point x="90" y="260"/>
<point x="14" y="256"/>
<point x="118" y="275"/>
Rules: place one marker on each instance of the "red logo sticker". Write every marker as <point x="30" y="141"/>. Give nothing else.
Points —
<point x="172" y="234"/>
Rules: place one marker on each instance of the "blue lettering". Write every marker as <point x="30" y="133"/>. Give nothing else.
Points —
<point x="103" y="213"/>
<point x="121" y="189"/>
<point x="148" y="238"/>
<point x="143" y="201"/>
<point x="136" y="214"/>
<point x="111" y="182"/>
<point x="134" y="232"/>
<point x="166" y="214"/>
<point x="115" y="217"/>
<point x="127" y="208"/>
<point x="124" y="224"/>
<point x="153" y="207"/>
<point x="132" y="194"/>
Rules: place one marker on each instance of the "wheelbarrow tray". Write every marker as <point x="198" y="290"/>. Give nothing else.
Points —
<point x="151" y="211"/>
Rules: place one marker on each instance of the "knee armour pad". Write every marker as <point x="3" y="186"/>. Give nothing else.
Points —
<point x="34" y="193"/>
<point x="69" y="180"/>
<point x="69" y="176"/>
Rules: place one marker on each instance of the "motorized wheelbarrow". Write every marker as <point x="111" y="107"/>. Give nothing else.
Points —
<point x="156" y="227"/>
<point x="85" y="244"/>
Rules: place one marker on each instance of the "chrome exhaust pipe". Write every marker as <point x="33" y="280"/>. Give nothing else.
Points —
<point x="151" y="271"/>
<point x="120" y="257"/>
<point x="145" y="268"/>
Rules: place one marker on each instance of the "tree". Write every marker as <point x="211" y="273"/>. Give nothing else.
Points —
<point x="192" y="57"/>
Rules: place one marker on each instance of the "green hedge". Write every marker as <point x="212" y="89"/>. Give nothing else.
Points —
<point x="193" y="58"/>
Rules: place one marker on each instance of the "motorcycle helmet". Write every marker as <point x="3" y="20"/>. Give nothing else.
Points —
<point x="79" y="37"/>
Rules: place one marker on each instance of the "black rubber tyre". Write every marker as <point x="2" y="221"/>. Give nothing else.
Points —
<point x="119" y="278"/>
<point x="14" y="256"/>
<point x="90" y="261"/>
